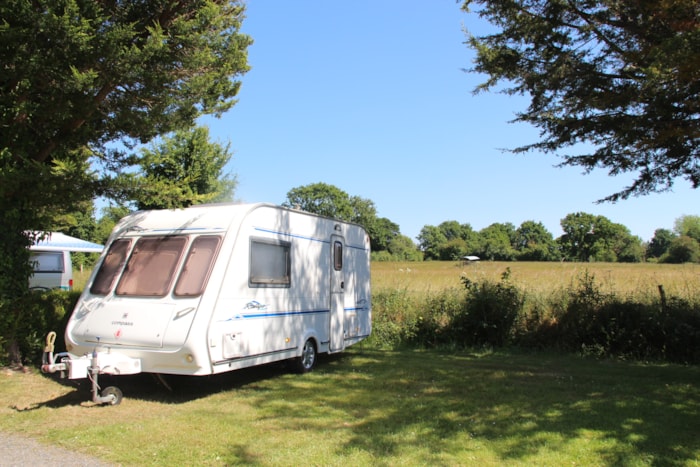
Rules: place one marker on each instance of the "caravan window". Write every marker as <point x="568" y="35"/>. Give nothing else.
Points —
<point x="338" y="256"/>
<point x="195" y="272"/>
<point x="269" y="263"/>
<point x="111" y="266"/>
<point x="151" y="266"/>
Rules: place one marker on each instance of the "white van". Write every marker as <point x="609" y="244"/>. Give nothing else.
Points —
<point x="215" y="288"/>
<point x="50" y="258"/>
<point x="52" y="270"/>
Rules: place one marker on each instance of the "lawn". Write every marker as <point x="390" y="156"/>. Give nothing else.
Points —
<point x="371" y="407"/>
<point x="395" y="407"/>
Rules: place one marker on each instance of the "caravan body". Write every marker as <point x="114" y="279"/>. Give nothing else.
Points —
<point x="214" y="288"/>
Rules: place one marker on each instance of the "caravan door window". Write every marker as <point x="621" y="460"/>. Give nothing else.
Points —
<point x="151" y="266"/>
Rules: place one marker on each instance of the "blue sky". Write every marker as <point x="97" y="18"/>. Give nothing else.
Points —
<point x="371" y="96"/>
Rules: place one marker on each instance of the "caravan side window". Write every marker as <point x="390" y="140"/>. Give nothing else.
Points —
<point x="269" y="263"/>
<point x="195" y="272"/>
<point x="111" y="266"/>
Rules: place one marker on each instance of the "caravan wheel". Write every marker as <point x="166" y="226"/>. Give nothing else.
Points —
<point x="306" y="361"/>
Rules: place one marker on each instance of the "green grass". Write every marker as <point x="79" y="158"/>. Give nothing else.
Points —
<point x="370" y="407"/>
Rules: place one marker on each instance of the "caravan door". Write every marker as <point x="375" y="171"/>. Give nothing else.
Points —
<point x="337" y="333"/>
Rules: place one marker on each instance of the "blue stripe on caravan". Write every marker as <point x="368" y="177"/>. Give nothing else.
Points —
<point x="281" y="313"/>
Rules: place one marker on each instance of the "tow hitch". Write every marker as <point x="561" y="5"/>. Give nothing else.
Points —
<point x="90" y="366"/>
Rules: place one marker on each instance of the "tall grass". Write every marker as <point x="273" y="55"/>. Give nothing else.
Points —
<point x="648" y="312"/>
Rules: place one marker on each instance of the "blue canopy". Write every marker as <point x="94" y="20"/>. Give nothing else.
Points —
<point x="56" y="241"/>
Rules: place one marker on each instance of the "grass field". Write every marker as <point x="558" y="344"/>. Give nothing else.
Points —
<point x="682" y="280"/>
<point x="370" y="407"/>
<point x="395" y="407"/>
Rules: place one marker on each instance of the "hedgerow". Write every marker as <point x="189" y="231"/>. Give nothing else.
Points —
<point x="580" y="318"/>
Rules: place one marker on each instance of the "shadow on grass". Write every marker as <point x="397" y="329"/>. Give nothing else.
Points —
<point x="171" y="389"/>
<point x="519" y="408"/>
<point x="445" y="409"/>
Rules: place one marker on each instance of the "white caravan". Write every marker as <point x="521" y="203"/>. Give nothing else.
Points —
<point x="215" y="288"/>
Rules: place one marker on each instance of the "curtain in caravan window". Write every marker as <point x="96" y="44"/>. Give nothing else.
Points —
<point x="110" y="268"/>
<point x="151" y="266"/>
<point x="198" y="264"/>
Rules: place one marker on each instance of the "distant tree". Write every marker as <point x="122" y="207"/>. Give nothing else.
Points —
<point x="595" y="238"/>
<point x="402" y="248"/>
<point x="330" y="201"/>
<point x="496" y="242"/>
<point x="660" y="243"/>
<point x="683" y="249"/>
<point x="110" y="216"/>
<point x="81" y="224"/>
<point x="183" y="169"/>
<point x="622" y="76"/>
<point x="614" y="243"/>
<point x="579" y="236"/>
<point x="384" y="232"/>
<point x="689" y="226"/>
<point x="433" y="240"/>
<point x="430" y="240"/>
<point x="452" y="249"/>
<point x="322" y="199"/>
<point x="533" y="242"/>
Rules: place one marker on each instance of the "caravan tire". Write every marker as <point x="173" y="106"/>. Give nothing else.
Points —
<point x="307" y="360"/>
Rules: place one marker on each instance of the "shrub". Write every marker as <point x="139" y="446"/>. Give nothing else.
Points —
<point x="25" y="322"/>
<point x="581" y="318"/>
<point x="490" y="312"/>
<point x="394" y="319"/>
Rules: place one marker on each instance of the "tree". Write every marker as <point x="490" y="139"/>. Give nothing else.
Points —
<point x="433" y="240"/>
<point x="577" y="241"/>
<point x="430" y="240"/>
<point x="533" y="242"/>
<point x="183" y="169"/>
<point x="621" y="76"/>
<point x="659" y="245"/>
<point x="496" y="242"/>
<point x="384" y="233"/>
<point x="688" y="226"/>
<point x="322" y="199"/>
<point x="683" y="249"/>
<point x="110" y="216"/>
<point x="82" y="82"/>
<point x="595" y="238"/>
<point x="402" y="248"/>
<point x="330" y="201"/>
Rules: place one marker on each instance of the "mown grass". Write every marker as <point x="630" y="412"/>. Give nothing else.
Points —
<point x="371" y="407"/>
<point x="396" y="407"/>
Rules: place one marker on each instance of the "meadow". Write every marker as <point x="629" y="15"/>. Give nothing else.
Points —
<point x="543" y="278"/>
<point x="383" y="406"/>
